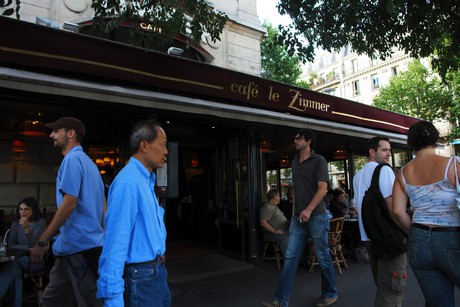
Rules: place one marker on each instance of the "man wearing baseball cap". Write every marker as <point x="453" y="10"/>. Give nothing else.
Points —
<point x="79" y="220"/>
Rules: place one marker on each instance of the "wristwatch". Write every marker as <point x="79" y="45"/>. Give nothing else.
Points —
<point x="41" y="243"/>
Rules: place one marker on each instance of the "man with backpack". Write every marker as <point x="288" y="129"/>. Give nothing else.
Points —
<point x="388" y="267"/>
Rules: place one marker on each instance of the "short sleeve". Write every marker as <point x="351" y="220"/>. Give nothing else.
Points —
<point x="386" y="181"/>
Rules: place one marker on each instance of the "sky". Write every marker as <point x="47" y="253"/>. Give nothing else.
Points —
<point x="266" y="9"/>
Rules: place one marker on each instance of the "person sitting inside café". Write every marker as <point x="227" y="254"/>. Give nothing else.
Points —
<point x="273" y="220"/>
<point x="24" y="234"/>
<point x="340" y="206"/>
<point x="286" y="206"/>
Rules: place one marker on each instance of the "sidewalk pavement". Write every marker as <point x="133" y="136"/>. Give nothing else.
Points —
<point x="219" y="281"/>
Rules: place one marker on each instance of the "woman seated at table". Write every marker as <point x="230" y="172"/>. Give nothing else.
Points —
<point x="24" y="234"/>
<point x="340" y="206"/>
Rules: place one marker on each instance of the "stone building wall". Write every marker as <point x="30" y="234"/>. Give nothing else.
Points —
<point x="239" y="48"/>
<point x="31" y="173"/>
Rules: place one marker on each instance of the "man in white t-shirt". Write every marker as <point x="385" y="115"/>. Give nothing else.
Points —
<point x="389" y="273"/>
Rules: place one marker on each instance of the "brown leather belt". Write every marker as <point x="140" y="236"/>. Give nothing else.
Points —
<point x="157" y="260"/>
<point x="439" y="228"/>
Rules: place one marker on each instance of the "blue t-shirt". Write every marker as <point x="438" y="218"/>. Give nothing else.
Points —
<point x="135" y="231"/>
<point x="78" y="176"/>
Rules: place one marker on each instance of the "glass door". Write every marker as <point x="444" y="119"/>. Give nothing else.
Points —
<point x="234" y="205"/>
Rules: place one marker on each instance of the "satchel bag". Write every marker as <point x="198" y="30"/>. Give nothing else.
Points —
<point x="457" y="186"/>
<point x="387" y="239"/>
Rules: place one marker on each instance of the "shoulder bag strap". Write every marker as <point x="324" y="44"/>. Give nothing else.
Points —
<point x="376" y="175"/>
<point x="457" y="186"/>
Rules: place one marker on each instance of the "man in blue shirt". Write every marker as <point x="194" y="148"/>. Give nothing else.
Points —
<point x="131" y="267"/>
<point x="79" y="217"/>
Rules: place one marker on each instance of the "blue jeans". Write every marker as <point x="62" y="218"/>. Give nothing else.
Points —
<point x="435" y="259"/>
<point x="299" y="233"/>
<point x="146" y="285"/>
<point x="11" y="278"/>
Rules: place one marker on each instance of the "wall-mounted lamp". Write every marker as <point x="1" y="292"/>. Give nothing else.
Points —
<point x="339" y="154"/>
<point x="284" y="162"/>
<point x="194" y="162"/>
<point x="33" y="125"/>
<point x="70" y="26"/>
<point x="18" y="145"/>
<point x="265" y="145"/>
<point x="175" y="51"/>
<point x="265" y="73"/>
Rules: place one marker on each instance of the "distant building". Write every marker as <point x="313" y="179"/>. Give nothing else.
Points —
<point x="359" y="78"/>
<point x="349" y="75"/>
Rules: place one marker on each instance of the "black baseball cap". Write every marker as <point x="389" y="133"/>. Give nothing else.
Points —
<point x="69" y="123"/>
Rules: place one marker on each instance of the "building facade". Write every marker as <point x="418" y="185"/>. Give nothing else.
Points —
<point x="238" y="49"/>
<point x="349" y="75"/>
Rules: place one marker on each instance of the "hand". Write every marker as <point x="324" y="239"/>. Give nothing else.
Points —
<point x="37" y="253"/>
<point x="304" y="216"/>
<point x="280" y="231"/>
<point x="25" y="224"/>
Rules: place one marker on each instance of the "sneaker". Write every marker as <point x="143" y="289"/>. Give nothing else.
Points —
<point x="271" y="304"/>
<point x="325" y="301"/>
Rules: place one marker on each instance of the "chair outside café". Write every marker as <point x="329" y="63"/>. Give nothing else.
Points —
<point x="335" y="247"/>
<point x="274" y="250"/>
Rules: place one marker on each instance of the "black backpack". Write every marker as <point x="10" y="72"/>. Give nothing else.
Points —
<point x="387" y="239"/>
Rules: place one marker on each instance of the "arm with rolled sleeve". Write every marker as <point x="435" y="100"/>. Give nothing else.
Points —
<point x="121" y="212"/>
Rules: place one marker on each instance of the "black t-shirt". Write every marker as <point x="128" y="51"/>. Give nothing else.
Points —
<point x="306" y="176"/>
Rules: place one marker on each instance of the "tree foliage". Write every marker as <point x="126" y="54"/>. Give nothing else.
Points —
<point x="453" y="85"/>
<point x="281" y="66"/>
<point x="421" y="28"/>
<point x="420" y="93"/>
<point x="11" y="8"/>
<point x="165" y="17"/>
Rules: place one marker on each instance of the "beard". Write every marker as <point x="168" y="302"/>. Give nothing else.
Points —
<point x="60" y="144"/>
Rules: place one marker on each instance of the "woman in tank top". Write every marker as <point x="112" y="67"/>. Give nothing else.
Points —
<point x="428" y="181"/>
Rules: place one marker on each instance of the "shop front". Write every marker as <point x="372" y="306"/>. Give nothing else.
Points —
<point x="226" y="129"/>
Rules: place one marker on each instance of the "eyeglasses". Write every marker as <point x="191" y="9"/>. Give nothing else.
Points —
<point x="25" y="209"/>
<point x="298" y="138"/>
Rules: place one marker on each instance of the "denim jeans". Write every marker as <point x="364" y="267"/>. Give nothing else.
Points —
<point x="435" y="259"/>
<point x="299" y="233"/>
<point x="146" y="285"/>
<point x="11" y="278"/>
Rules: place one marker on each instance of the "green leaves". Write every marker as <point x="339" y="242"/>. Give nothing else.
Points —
<point x="11" y="11"/>
<point x="374" y="27"/>
<point x="167" y="18"/>
<point x="275" y="59"/>
<point x="420" y="93"/>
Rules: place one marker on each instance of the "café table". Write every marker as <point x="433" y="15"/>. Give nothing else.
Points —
<point x="13" y="253"/>
<point x="351" y="237"/>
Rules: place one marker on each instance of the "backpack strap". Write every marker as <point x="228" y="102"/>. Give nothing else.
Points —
<point x="376" y="175"/>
